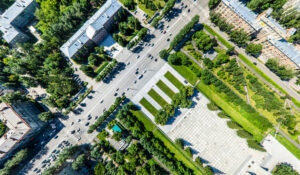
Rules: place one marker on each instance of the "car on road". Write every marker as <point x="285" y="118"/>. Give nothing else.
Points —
<point x="78" y="120"/>
<point x="43" y="166"/>
<point x="115" y="94"/>
<point x="135" y="82"/>
<point x="165" y="32"/>
<point x="78" y="129"/>
<point x="101" y="101"/>
<point x="38" y="171"/>
<point x="35" y="169"/>
<point x="82" y="104"/>
<point x="168" y="39"/>
<point x="138" y="56"/>
<point x="90" y="117"/>
<point x="72" y="132"/>
<point x="56" y="137"/>
<point x="87" y="123"/>
<point x="141" y="76"/>
<point x="137" y="72"/>
<point x="96" y="117"/>
<point x="155" y="59"/>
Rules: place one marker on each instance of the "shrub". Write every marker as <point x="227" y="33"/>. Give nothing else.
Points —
<point x="199" y="161"/>
<point x="163" y="53"/>
<point x="212" y="106"/>
<point x="244" y="134"/>
<point x="179" y="142"/>
<point x="233" y="125"/>
<point x="188" y="151"/>
<point x="223" y="115"/>
<point x="255" y="145"/>
<point x="208" y="170"/>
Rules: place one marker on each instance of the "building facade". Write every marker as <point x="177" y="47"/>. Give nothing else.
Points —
<point x="270" y="34"/>
<point x="14" y="19"/>
<point x="22" y="122"/>
<point x="94" y="30"/>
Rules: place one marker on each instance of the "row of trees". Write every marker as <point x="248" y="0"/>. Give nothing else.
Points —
<point x="12" y="163"/>
<point x="281" y="71"/>
<point x="108" y="69"/>
<point x="67" y="153"/>
<point x="106" y="114"/>
<point x="179" y="100"/>
<point x="284" y="169"/>
<point x="250" y="113"/>
<point x="168" y="7"/>
<point x="153" y="145"/>
<point x="234" y="75"/>
<point x="184" y="31"/>
<point x="239" y="37"/>
<point x="141" y="34"/>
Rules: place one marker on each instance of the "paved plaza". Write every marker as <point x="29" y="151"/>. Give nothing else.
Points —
<point x="212" y="140"/>
<point x="143" y="93"/>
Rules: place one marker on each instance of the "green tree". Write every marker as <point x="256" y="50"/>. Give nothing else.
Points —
<point x="45" y="116"/>
<point x="254" y="49"/>
<point x="163" y="53"/>
<point x="13" y="97"/>
<point x="188" y="151"/>
<point x="213" y="3"/>
<point x="239" y="37"/>
<point x="79" y="162"/>
<point x="179" y="142"/>
<point x="284" y="169"/>
<point x="174" y="59"/>
<point x="99" y="169"/>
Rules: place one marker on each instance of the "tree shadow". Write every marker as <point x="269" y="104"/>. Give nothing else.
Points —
<point x="121" y="66"/>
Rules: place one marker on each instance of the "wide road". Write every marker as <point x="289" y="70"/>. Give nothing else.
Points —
<point x="123" y="82"/>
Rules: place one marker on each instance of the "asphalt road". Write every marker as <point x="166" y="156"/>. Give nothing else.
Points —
<point x="121" y="82"/>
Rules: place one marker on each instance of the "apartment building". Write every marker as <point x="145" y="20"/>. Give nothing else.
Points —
<point x="22" y="122"/>
<point x="266" y="30"/>
<point x="94" y="30"/>
<point x="14" y="19"/>
<point x="237" y="14"/>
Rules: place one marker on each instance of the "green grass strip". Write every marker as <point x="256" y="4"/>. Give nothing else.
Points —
<point x="179" y="154"/>
<point x="222" y="40"/>
<point x="165" y="89"/>
<point x="148" y="106"/>
<point x="288" y="145"/>
<point x="153" y="94"/>
<point x="186" y="73"/>
<point x="233" y="111"/>
<point x="174" y="80"/>
<point x="101" y="67"/>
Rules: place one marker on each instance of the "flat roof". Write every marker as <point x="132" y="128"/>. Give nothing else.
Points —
<point x="9" y="31"/>
<point x="248" y="15"/>
<point x="287" y="48"/>
<point x="18" y="128"/>
<point x="96" y="22"/>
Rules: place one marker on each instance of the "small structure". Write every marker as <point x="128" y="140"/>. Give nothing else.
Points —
<point x="14" y="19"/>
<point x="116" y="128"/>
<point x="23" y="123"/>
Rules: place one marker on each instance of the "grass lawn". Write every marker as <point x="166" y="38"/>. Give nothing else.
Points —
<point x="148" y="106"/>
<point x="145" y="120"/>
<point x="165" y="89"/>
<point x="153" y="94"/>
<point x="179" y="154"/>
<point x="174" y="80"/>
<point x="249" y="63"/>
<point x="288" y="145"/>
<point x="236" y="114"/>
<point x="186" y="73"/>
<point x="148" y="11"/>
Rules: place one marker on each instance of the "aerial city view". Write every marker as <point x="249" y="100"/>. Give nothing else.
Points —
<point x="149" y="87"/>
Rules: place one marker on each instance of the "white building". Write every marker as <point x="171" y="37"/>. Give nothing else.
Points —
<point x="14" y="19"/>
<point x="94" y="30"/>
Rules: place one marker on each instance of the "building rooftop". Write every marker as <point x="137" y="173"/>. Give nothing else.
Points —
<point x="287" y="48"/>
<point x="9" y="31"/>
<point x="18" y="128"/>
<point x="244" y="12"/>
<point x="95" y="23"/>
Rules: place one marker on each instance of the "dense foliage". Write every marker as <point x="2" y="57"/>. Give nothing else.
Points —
<point x="213" y="3"/>
<point x="284" y="169"/>
<point x="11" y="164"/>
<point x="13" y="97"/>
<point x="106" y="114"/>
<point x="2" y="129"/>
<point x="108" y="69"/>
<point x="209" y="79"/>
<point x="254" y="49"/>
<point x="280" y="70"/>
<point x="4" y="4"/>
<point x="45" y="116"/>
<point x="152" y="144"/>
<point x="184" y="31"/>
<point x="203" y="41"/>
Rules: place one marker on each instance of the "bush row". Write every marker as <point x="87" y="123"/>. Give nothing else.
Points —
<point x="106" y="114"/>
<point x="253" y="116"/>
<point x="183" y="32"/>
<point x="108" y="69"/>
